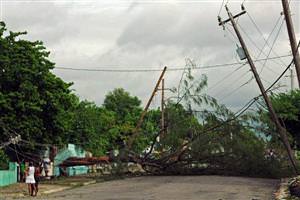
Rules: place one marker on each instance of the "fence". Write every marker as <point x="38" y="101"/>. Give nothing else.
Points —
<point x="9" y="176"/>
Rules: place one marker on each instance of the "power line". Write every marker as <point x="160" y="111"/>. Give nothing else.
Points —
<point x="260" y="32"/>
<point x="234" y="40"/>
<point x="23" y="155"/>
<point x="236" y="114"/>
<point x="236" y="89"/>
<point x="235" y="81"/>
<point x="221" y="7"/>
<point x="271" y="48"/>
<point x="252" y="101"/>
<point x="266" y="43"/>
<point x="246" y="106"/>
<point x="254" y="43"/>
<point x="169" y="69"/>
<point x="226" y="77"/>
<point x="261" y="50"/>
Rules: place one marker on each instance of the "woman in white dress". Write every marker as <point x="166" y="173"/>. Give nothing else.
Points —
<point x="30" y="178"/>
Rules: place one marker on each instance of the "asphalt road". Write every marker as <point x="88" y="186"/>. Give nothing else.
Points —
<point x="174" y="188"/>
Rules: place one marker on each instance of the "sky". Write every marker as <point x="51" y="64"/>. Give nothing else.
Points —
<point x="125" y="34"/>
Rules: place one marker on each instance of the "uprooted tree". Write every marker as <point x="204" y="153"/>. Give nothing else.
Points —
<point x="202" y="137"/>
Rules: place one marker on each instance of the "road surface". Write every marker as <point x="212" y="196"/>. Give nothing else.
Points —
<point x="174" y="188"/>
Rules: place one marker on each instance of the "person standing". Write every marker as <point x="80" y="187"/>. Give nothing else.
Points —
<point x="46" y="165"/>
<point x="37" y="177"/>
<point x="30" y="179"/>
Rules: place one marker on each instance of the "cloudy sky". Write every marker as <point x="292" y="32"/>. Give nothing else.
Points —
<point x="148" y="34"/>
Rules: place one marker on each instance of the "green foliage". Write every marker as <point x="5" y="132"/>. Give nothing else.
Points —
<point x="127" y="110"/>
<point x="232" y="148"/>
<point x="149" y="129"/>
<point x="214" y="142"/>
<point x="190" y="90"/>
<point x="92" y="128"/>
<point x="33" y="101"/>
<point x="100" y="129"/>
<point x="125" y="106"/>
<point x="3" y="160"/>
<point x="287" y="106"/>
<point x="182" y="126"/>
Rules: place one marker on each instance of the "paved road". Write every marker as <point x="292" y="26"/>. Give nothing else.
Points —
<point x="174" y="188"/>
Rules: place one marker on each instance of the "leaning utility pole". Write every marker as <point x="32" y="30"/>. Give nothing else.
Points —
<point x="291" y="32"/>
<point x="274" y="117"/>
<point x="139" y="124"/>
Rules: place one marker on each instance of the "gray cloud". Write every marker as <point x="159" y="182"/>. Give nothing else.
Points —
<point x="126" y="34"/>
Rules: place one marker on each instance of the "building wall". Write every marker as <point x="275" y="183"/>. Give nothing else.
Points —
<point x="9" y="176"/>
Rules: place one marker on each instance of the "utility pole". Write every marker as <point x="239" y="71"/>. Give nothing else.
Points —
<point x="274" y="117"/>
<point x="138" y="126"/>
<point x="291" y="76"/>
<point x="163" y="106"/>
<point x="292" y="79"/>
<point x="292" y="37"/>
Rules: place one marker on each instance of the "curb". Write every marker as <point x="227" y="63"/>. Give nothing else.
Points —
<point x="282" y="192"/>
<point x="90" y="182"/>
<point x="55" y="190"/>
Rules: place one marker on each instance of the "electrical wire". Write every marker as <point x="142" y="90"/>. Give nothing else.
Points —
<point x="226" y="77"/>
<point x="236" y="114"/>
<point x="260" y="32"/>
<point x="234" y="38"/>
<point x="23" y="155"/>
<point x="234" y="82"/>
<point x="271" y="48"/>
<point x="261" y="50"/>
<point x="247" y="105"/>
<point x="235" y="90"/>
<point x="254" y="43"/>
<point x="221" y="7"/>
<point x="168" y="69"/>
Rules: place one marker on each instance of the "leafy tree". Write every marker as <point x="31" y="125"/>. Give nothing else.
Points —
<point x="127" y="110"/>
<point x="181" y="126"/>
<point x="149" y="130"/>
<point x="93" y="128"/>
<point x="33" y="101"/>
<point x="287" y="106"/>
<point x="205" y="137"/>
<point x="125" y="106"/>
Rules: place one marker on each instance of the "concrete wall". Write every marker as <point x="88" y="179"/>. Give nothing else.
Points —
<point x="76" y="170"/>
<point x="70" y="151"/>
<point x="9" y="176"/>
